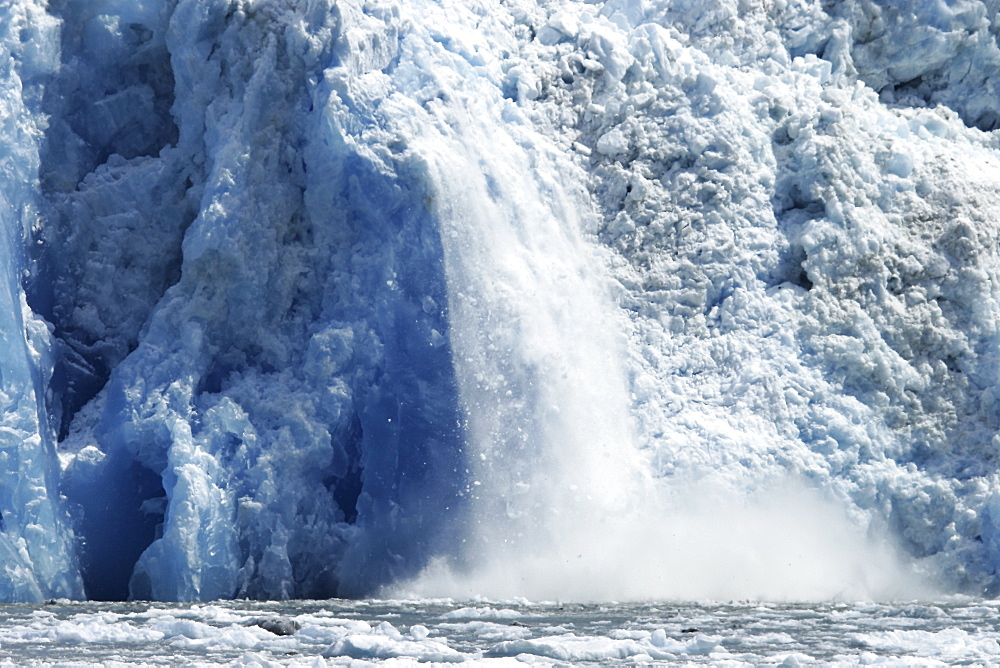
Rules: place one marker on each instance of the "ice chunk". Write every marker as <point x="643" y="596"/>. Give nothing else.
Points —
<point x="613" y="143"/>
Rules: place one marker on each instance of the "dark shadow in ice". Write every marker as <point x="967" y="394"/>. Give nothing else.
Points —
<point x="115" y="206"/>
<point x="114" y="196"/>
<point x="118" y="515"/>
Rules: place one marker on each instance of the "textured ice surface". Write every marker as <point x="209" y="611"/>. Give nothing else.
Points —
<point x="308" y="298"/>
<point x="35" y="547"/>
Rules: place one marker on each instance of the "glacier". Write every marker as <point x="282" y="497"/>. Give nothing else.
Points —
<point x="544" y="298"/>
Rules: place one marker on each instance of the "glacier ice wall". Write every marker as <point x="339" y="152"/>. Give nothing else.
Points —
<point x="38" y="554"/>
<point x="292" y="278"/>
<point x="301" y="295"/>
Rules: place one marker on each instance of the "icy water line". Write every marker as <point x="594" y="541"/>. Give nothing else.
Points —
<point x="336" y="632"/>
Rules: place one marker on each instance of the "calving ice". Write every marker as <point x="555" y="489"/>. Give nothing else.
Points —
<point x="541" y="298"/>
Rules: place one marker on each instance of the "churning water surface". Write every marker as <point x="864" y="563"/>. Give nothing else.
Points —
<point x="337" y="632"/>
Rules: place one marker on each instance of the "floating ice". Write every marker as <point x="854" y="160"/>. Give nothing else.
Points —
<point x="345" y="632"/>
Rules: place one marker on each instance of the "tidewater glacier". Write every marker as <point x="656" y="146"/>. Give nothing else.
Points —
<point x="623" y="299"/>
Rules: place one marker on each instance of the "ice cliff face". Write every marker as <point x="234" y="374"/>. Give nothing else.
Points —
<point x="298" y="296"/>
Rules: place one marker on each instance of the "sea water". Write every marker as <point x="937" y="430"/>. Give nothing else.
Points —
<point x="404" y="632"/>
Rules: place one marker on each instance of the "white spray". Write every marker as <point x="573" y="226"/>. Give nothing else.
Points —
<point x="536" y="351"/>
<point x="563" y="506"/>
